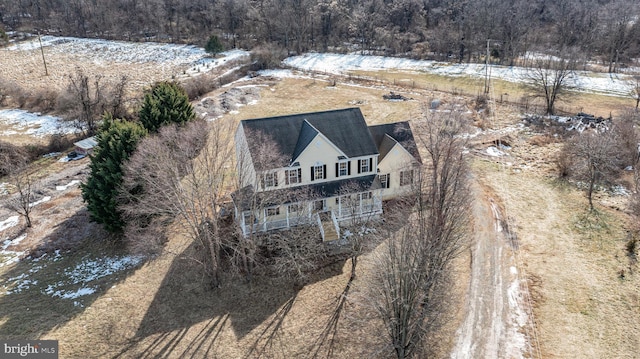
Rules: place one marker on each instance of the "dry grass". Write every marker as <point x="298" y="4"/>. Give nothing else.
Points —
<point x="501" y="91"/>
<point x="308" y="95"/>
<point x="572" y="258"/>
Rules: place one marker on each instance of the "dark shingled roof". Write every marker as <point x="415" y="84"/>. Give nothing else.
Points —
<point x="345" y="128"/>
<point x="385" y="135"/>
<point x="307" y="134"/>
<point x="242" y="197"/>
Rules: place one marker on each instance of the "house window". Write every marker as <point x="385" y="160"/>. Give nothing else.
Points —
<point x="319" y="205"/>
<point x="343" y="169"/>
<point x="406" y="177"/>
<point x="384" y="180"/>
<point x="367" y="195"/>
<point x="270" y="179"/>
<point x="318" y="172"/>
<point x="273" y="211"/>
<point x="294" y="208"/>
<point x="293" y="176"/>
<point x="365" y="165"/>
<point x="249" y="219"/>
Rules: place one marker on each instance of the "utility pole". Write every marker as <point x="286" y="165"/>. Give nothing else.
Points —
<point x="486" y="69"/>
<point x="46" y="72"/>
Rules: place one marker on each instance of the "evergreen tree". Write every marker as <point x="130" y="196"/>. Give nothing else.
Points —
<point x="4" y="38"/>
<point x="117" y="139"/>
<point x="213" y="45"/>
<point x="165" y="102"/>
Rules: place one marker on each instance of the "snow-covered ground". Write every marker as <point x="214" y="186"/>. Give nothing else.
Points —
<point x="184" y="60"/>
<point x="603" y="83"/>
<point x="33" y="124"/>
<point x="104" y="51"/>
<point x="74" y="281"/>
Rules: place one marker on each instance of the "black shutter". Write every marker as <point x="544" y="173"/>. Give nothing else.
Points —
<point x="371" y="164"/>
<point x="286" y="176"/>
<point x="337" y="170"/>
<point x="324" y="171"/>
<point x="349" y="169"/>
<point x="275" y="179"/>
<point x="388" y="180"/>
<point x="299" y="175"/>
<point x="359" y="166"/>
<point x="312" y="178"/>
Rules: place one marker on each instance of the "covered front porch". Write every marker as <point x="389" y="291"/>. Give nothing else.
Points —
<point x="362" y="205"/>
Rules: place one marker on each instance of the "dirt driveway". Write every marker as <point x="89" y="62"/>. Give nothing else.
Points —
<point x="496" y="322"/>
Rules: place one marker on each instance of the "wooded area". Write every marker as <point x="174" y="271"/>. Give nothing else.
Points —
<point x="607" y="31"/>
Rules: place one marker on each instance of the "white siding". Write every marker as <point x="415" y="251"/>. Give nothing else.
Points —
<point x="397" y="160"/>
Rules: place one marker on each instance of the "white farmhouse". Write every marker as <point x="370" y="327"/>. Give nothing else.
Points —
<point x="320" y="168"/>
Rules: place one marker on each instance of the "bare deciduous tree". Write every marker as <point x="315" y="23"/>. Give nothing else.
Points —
<point x="635" y="90"/>
<point x="549" y="79"/>
<point x="22" y="201"/>
<point x="595" y="159"/>
<point x="179" y="177"/>
<point x="409" y="288"/>
<point x="88" y="98"/>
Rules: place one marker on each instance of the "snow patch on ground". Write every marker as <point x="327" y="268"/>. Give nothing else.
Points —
<point x="70" y="294"/>
<point x="40" y="201"/>
<point x="495" y="152"/>
<point x="75" y="281"/>
<point x="9" y="222"/>
<point x="517" y="339"/>
<point x="92" y="269"/>
<point x="584" y="81"/>
<point x="105" y="51"/>
<point x="278" y="73"/>
<point x="33" y="123"/>
<point x="65" y="187"/>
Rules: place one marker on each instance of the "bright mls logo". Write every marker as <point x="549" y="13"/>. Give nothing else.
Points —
<point x="37" y="349"/>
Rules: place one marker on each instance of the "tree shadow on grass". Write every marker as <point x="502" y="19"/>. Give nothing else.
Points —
<point x="66" y="273"/>
<point x="186" y="318"/>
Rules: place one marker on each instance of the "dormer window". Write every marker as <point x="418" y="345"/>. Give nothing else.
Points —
<point x="365" y="165"/>
<point x="270" y="180"/>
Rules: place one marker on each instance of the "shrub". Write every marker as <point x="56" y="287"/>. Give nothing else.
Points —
<point x="11" y="157"/>
<point x="632" y="247"/>
<point x="165" y="103"/>
<point x="199" y="85"/>
<point x="267" y="56"/>
<point x="213" y="45"/>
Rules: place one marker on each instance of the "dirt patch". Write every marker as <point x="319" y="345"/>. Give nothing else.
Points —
<point x="216" y="105"/>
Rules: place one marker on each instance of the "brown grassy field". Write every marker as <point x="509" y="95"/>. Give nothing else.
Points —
<point x="502" y="91"/>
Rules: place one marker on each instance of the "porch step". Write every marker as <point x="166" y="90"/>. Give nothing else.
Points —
<point x="330" y="233"/>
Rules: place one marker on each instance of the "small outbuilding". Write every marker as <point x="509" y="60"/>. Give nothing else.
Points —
<point x="85" y="147"/>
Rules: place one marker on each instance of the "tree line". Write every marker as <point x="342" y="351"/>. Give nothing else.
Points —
<point x="607" y="31"/>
